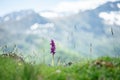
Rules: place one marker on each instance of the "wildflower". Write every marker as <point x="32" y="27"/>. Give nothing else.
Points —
<point x="52" y="50"/>
<point x="52" y="47"/>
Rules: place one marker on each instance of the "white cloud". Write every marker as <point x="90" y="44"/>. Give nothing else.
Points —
<point x="79" y="5"/>
<point x="50" y="14"/>
<point x="111" y="18"/>
<point x="34" y="26"/>
<point x="118" y="5"/>
<point x="40" y="28"/>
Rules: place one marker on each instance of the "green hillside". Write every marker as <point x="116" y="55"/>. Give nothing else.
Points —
<point x="104" y="68"/>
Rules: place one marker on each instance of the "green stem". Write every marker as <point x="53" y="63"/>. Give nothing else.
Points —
<point x="52" y="60"/>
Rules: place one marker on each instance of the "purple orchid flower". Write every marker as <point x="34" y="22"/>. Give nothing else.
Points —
<point x="52" y="47"/>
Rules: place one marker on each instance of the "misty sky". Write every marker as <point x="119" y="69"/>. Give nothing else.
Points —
<point x="7" y="6"/>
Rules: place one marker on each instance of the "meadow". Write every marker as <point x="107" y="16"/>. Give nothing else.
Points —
<point x="102" y="68"/>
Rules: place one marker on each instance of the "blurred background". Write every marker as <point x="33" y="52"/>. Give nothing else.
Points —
<point x="81" y="29"/>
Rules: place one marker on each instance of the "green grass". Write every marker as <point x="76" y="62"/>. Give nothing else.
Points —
<point x="87" y="70"/>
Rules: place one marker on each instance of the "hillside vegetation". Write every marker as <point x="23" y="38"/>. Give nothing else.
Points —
<point x="103" y="68"/>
